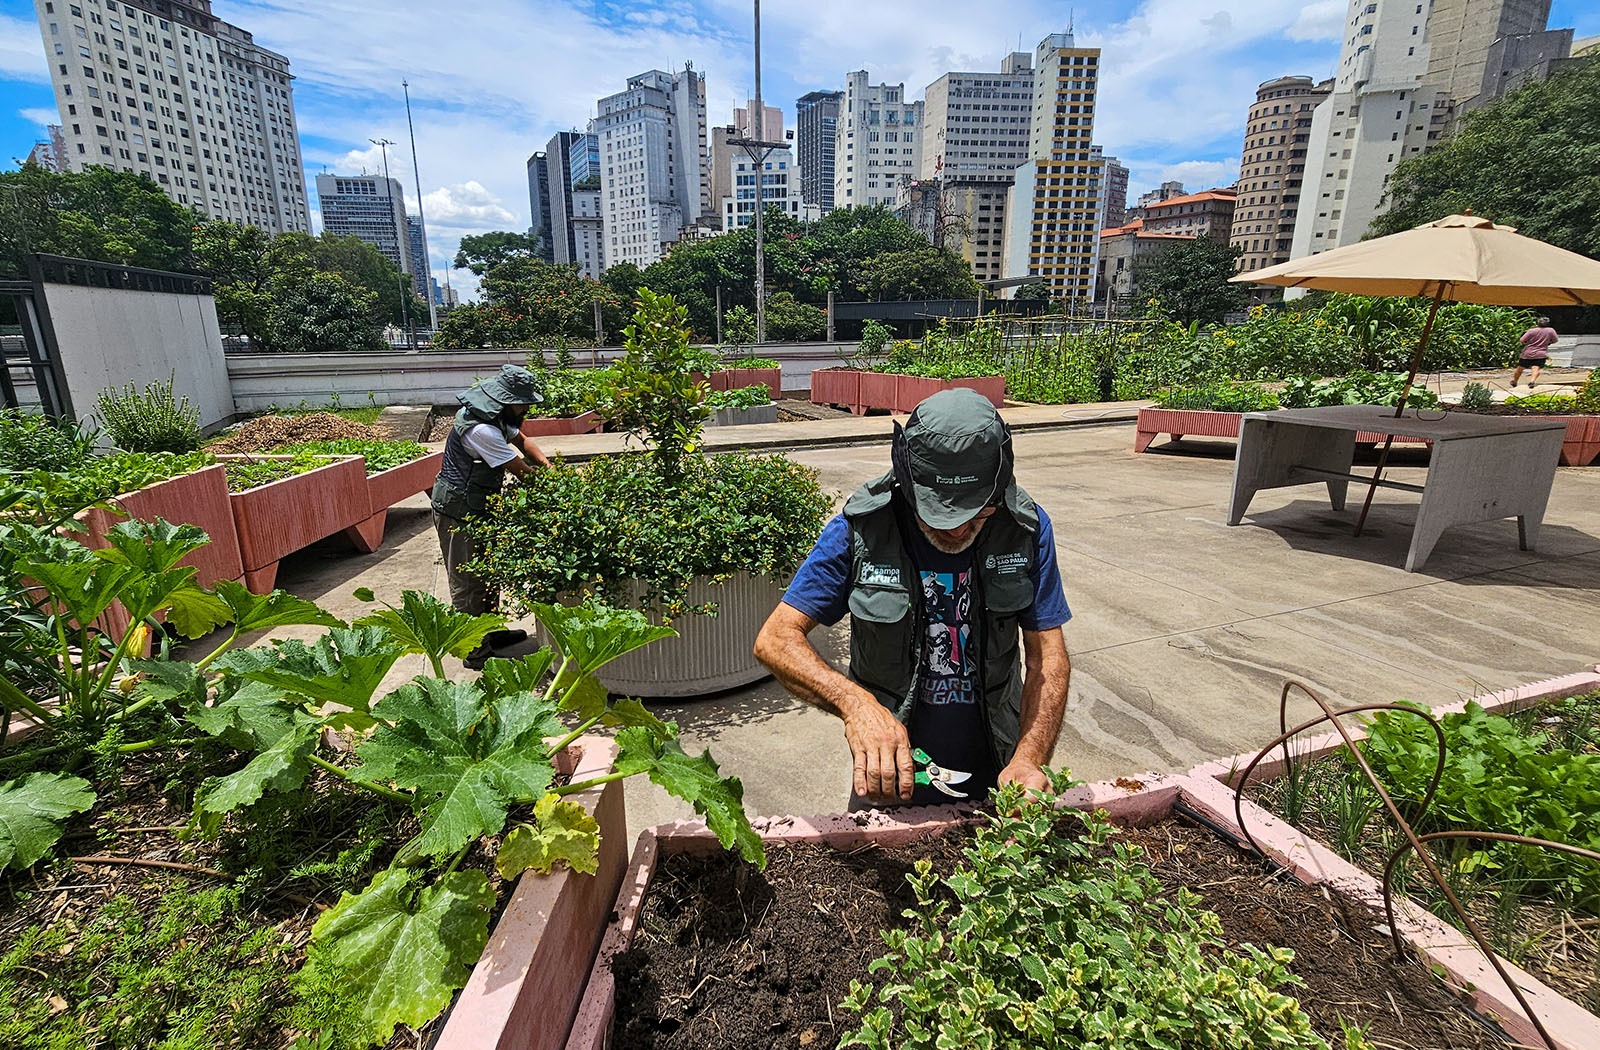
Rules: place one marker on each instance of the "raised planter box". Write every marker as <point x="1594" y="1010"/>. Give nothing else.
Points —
<point x="1181" y="422"/>
<point x="1130" y="803"/>
<point x="738" y="378"/>
<point x="739" y="417"/>
<point x="388" y="487"/>
<point x="1581" y="445"/>
<point x="283" y="516"/>
<point x="524" y="991"/>
<point x="559" y="426"/>
<point x="840" y="387"/>
<point x="859" y="391"/>
<point x="710" y="654"/>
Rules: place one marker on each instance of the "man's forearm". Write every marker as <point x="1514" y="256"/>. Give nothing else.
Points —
<point x="1044" y="698"/>
<point x="798" y="667"/>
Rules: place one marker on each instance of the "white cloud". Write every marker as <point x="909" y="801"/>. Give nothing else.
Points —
<point x="1199" y="175"/>
<point x="466" y="208"/>
<point x="1321" y="20"/>
<point x="22" y="51"/>
<point x="40" y="116"/>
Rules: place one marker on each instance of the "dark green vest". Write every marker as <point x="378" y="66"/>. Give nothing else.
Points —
<point x="466" y="482"/>
<point x="887" y="619"/>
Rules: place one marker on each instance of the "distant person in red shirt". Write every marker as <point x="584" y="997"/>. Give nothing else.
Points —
<point x="1536" y="343"/>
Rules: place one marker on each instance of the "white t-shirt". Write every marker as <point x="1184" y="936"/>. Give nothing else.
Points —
<point x="488" y="444"/>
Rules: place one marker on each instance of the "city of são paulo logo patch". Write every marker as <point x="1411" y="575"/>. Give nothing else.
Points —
<point x="1006" y="563"/>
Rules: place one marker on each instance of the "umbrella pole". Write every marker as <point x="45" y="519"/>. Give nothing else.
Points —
<point x="1405" y="394"/>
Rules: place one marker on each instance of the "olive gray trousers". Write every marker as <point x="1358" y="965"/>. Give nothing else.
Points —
<point x="468" y="593"/>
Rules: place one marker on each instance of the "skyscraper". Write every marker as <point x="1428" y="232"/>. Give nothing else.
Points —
<point x="1272" y="168"/>
<point x="653" y="179"/>
<point x="1403" y="66"/>
<point x="371" y="208"/>
<point x="417" y="245"/>
<point x="541" y="227"/>
<point x="1053" y="219"/>
<point x="167" y="89"/>
<point x="875" y="142"/>
<point x="1113" y="192"/>
<point x="816" y="128"/>
<point x="573" y="164"/>
<point x="976" y="130"/>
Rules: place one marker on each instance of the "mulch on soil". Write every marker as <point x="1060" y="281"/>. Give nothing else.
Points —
<point x="265" y="433"/>
<point x="726" y="956"/>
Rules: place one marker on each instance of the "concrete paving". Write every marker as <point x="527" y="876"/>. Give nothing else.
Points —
<point x="1184" y="628"/>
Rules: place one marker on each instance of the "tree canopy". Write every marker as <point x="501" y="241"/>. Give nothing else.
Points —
<point x="99" y="214"/>
<point x="1529" y="160"/>
<point x="526" y="301"/>
<point x="1191" y="280"/>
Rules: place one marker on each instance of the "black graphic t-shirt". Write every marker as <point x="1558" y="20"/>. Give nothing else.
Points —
<point x="947" y="722"/>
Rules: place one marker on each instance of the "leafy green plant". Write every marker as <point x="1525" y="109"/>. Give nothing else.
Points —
<point x="742" y="397"/>
<point x="1476" y="397"/>
<point x="37" y="442"/>
<point x="1219" y="397"/>
<point x="61" y="493"/>
<point x="1588" y="399"/>
<point x="152" y="420"/>
<point x="1357" y="388"/>
<point x="1050" y="934"/>
<point x="592" y="528"/>
<point x="380" y="455"/>
<point x="250" y="472"/>
<point x="1543" y="404"/>
<point x="738" y="326"/>
<point x="31" y="811"/>
<point x="875" y="339"/>
<point x="653" y="390"/>
<point x="753" y="362"/>
<point x="572" y="391"/>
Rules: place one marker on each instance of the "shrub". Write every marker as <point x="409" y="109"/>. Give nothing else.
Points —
<point x="38" y="442"/>
<point x="1543" y="404"/>
<point x="738" y="326"/>
<point x="572" y="391"/>
<point x="1357" y="388"/>
<point x="592" y="528"/>
<point x="743" y="397"/>
<point x="152" y="421"/>
<point x="875" y="337"/>
<point x="1588" y="399"/>
<point x="653" y="390"/>
<point x="791" y="321"/>
<point x="754" y="362"/>
<point x="1475" y="397"/>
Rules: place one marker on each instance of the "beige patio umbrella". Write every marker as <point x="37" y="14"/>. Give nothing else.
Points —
<point x="1463" y="258"/>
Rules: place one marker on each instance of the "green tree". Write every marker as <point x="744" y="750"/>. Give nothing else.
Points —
<point x="918" y="273"/>
<point x="1530" y="160"/>
<point x="624" y="279"/>
<point x="1191" y="280"/>
<point x="790" y="321"/>
<point x="527" y="302"/>
<point x="239" y="261"/>
<point x="99" y="214"/>
<point x="482" y="252"/>
<point x="321" y="312"/>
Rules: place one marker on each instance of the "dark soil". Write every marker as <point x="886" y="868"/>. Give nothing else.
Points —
<point x="726" y="956"/>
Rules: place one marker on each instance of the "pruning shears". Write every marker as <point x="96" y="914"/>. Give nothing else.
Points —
<point x="930" y="772"/>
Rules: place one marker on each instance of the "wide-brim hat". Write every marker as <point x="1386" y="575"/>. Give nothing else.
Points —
<point x="514" y="385"/>
<point x="954" y="455"/>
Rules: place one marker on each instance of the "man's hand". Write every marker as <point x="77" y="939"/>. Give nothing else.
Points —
<point x="1025" y="772"/>
<point x="881" y="751"/>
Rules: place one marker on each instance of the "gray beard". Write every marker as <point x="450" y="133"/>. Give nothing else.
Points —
<point x="944" y="546"/>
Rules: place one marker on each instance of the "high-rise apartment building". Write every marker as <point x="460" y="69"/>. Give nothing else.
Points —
<point x="572" y="170"/>
<point x="1053" y="218"/>
<point x="167" y="89"/>
<point x="417" y="248"/>
<point x="976" y="129"/>
<point x="780" y="188"/>
<point x="771" y="129"/>
<point x="541" y="222"/>
<point x="816" y="133"/>
<point x="1272" y="168"/>
<point x="369" y="207"/>
<point x="875" y="142"/>
<point x="1403" y="66"/>
<point x="653" y="178"/>
<point x="720" y="175"/>
<point x="1164" y="192"/>
<point x="1113" y="191"/>
<point x="50" y="153"/>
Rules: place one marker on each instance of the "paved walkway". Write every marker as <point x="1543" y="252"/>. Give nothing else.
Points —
<point x="1184" y="628"/>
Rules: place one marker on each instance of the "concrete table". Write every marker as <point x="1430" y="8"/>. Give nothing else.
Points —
<point x="1483" y="468"/>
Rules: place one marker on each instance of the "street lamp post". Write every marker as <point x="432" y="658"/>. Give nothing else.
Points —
<point x="402" y="242"/>
<point x="758" y="151"/>
<point x="416" y="175"/>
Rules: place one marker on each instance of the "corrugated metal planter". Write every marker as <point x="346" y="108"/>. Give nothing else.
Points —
<point x="837" y="386"/>
<point x="738" y="378"/>
<point x="524" y="991"/>
<point x="710" y="654"/>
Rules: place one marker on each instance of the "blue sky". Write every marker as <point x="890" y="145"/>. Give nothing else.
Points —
<point x="493" y="80"/>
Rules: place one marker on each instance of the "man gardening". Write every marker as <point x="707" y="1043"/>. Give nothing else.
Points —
<point x="948" y="571"/>
<point x="485" y="442"/>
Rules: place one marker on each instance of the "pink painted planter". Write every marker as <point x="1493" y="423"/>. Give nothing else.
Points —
<point x="1581" y="446"/>
<point x="738" y="378"/>
<point x="879" y="390"/>
<point x="384" y="490"/>
<point x="281" y="517"/>
<point x="524" y="991"/>
<point x="591" y="1029"/>
<point x="1181" y="422"/>
<point x="559" y="426"/>
<point x="837" y="386"/>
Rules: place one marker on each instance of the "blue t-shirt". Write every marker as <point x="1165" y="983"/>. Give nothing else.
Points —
<point x="946" y="722"/>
